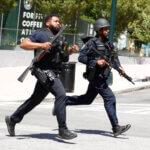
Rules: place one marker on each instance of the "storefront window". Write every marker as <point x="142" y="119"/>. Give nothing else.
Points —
<point x="8" y="29"/>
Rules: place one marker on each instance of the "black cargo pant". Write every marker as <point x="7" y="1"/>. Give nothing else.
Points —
<point x="97" y="86"/>
<point x="40" y="92"/>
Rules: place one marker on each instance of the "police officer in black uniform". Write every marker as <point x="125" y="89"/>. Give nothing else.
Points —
<point x="47" y="68"/>
<point x="97" y="74"/>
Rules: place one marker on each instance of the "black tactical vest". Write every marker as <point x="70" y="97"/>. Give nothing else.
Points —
<point x="57" y="54"/>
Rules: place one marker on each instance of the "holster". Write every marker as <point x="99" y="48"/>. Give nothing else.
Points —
<point x="106" y="72"/>
<point x="43" y="76"/>
<point x="90" y="73"/>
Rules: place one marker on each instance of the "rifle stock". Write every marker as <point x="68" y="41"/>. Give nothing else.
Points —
<point x="39" y="56"/>
<point x="24" y="74"/>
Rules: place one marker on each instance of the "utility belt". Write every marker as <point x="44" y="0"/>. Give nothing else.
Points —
<point x="45" y="77"/>
<point x="92" y="72"/>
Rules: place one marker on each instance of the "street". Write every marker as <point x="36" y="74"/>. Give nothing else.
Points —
<point x="38" y="130"/>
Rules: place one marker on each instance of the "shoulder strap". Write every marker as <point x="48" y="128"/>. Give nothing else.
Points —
<point x="93" y="42"/>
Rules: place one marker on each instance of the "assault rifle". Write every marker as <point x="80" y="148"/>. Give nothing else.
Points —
<point x="110" y="64"/>
<point x="39" y="56"/>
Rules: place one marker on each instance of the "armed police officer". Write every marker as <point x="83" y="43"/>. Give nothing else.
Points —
<point x="46" y="72"/>
<point x="97" y="72"/>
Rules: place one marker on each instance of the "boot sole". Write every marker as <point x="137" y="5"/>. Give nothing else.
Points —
<point x="66" y="138"/>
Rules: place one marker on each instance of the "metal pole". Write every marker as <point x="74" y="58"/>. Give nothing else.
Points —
<point x="112" y="19"/>
<point x="88" y="29"/>
<point x="1" y="29"/>
<point x="74" y="37"/>
<point x="18" y="22"/>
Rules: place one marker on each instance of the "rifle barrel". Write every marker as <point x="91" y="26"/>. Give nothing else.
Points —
<point x="128" y="78"/>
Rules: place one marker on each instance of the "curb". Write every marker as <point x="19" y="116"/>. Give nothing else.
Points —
<point x="132" y="89"/>
<point x="140" y="87"/>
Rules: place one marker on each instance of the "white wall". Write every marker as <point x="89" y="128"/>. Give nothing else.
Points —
<point x="9" y="58"/>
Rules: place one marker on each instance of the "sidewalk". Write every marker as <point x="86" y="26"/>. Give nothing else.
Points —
<point x="13" y="90"/>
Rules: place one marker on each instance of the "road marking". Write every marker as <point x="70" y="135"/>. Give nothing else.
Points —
<point x="139" y="109"/>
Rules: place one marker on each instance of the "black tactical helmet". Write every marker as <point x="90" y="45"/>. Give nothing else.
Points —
<point x="101" y="23"/>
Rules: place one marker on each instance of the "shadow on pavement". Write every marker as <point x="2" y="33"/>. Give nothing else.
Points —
<point x="99" y="132"/>
<point x="44" y="136"/>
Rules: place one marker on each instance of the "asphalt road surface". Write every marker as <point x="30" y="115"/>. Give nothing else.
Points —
<point x="38" y="130"/>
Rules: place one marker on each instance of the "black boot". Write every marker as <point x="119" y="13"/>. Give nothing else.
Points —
<point x="64" y="133"/>
<point x="120" y="129"/>
<point x="10" y="126"/>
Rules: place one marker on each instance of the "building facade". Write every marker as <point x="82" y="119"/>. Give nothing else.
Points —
<point x="21" y="21"/>
<point x="18" y="23"/>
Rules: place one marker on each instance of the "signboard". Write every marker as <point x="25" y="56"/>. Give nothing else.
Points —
<point x="29" y="20"/>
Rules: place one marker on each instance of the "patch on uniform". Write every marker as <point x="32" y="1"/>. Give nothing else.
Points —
<point x="100" y="47"/>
